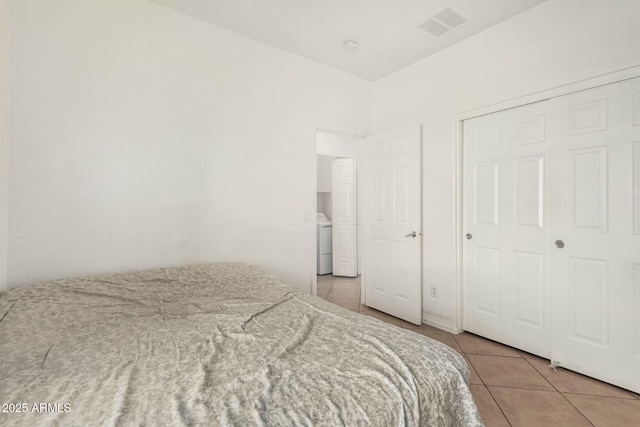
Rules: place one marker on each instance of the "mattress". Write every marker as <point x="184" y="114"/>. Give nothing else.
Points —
<point x="221" y="344"/>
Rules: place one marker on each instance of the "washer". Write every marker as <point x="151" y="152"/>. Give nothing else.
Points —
<point x="325" y="244"/>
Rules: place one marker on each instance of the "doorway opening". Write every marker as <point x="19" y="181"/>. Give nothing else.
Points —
<point x="338" y="206"/>
<point x="376" y="220"/>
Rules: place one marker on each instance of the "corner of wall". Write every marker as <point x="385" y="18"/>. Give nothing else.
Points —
<point x="4" y="137"/>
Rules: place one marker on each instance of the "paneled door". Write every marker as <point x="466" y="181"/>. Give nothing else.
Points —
<point x="393" y="266"/>
<point x="505" y="252"/>
<point x="343" y="216"/>
<point x="551" y="214"/>
<point x="595" y="232"/>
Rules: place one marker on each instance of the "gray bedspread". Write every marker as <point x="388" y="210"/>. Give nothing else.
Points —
<point x="222" y="344"/>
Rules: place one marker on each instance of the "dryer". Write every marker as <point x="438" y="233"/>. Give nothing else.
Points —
<point x="325" y="244"/>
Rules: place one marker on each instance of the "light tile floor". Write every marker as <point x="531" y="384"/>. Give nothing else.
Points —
<point x="512" y="387"/>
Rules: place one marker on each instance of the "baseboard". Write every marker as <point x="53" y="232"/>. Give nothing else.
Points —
<point x="447" y="325"/>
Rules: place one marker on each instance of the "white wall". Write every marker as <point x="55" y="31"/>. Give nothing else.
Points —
<point x="4" y="137"/>
<point x="324" y="185"/>
<point x="324" y="173"/>
<point x="338" y="145"/>
<point x="142" y="137"/>
<point x="558" y="42"/>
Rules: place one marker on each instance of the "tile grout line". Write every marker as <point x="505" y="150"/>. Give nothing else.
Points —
<point x="522" y="388"/>
<point x="493" y="355"/>
<point x="555" y="390"/>
<point x="587" y="394"/>
<point x="540" y="373"/>
<point x="497" y="404"/>
<point x="559" y="392"/>
<point x="538" y="389"/>
<point x="330" y="287"/>
<point x="470" y="363"/>
<point x="530" y="389"/>
<point x="598" y="395"/>
<point x="486" y="354"/>
<point x="576" y="408"/>
<point x="483" y="384"/>
<point x="478" y="374"/>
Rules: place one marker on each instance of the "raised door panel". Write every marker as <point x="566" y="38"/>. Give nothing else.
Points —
<point x="529" y="192"/>
<point x="588" y="281"/>
<point x="487" y="280"/>
<point x="343" y="196"/>
<point x="379" y="267"/>
<point x="401" y="147"/>
<point x="530" y="281"/>
<point x="379" y="196"/>
<point x="344" y="238"/>
<point x="401" y="264"/>
<point x="588" y="117"/>
<point x="486" y="194"/>
<point x="402" y="192"/>
<point x="588" y="174"/>
<point x="530" y="130"/>
<point x="487" y="137"/>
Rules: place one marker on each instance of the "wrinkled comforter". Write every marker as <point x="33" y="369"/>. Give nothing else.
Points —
<point x="222" y="344"/>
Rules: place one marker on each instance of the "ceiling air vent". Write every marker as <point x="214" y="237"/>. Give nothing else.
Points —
<point x="433" y="27"/>
<point x="442" y="22"/>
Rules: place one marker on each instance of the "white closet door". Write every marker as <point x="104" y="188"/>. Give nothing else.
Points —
<point x="505" y="252"/>
<point x="595" y="277"/>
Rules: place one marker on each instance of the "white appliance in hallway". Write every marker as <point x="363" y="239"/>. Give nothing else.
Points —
<point x="325" y="244"/>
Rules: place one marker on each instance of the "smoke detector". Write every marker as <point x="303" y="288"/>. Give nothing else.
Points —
<point x="351" y="45"/>
<point x="442" y="22"/>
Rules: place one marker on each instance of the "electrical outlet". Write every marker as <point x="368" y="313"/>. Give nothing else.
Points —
<point x="434" y="292"/>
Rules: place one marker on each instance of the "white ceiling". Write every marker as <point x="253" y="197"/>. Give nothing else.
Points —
<point x="386" y="30"/>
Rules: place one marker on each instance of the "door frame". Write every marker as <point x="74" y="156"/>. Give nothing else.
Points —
<point x="577" y="86"/>
<point x="319" y="126"/>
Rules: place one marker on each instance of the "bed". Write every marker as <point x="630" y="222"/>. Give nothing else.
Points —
<point x="222" y="344"/>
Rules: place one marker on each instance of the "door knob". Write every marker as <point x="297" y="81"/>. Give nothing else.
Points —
<point x="559" y="244"/>
<point x="412" y="234"/>
<point x="468" y="236"/>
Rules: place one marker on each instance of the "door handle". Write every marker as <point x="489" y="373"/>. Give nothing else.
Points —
<point x="412" y="234"/>
<point x="559" y="244"/>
